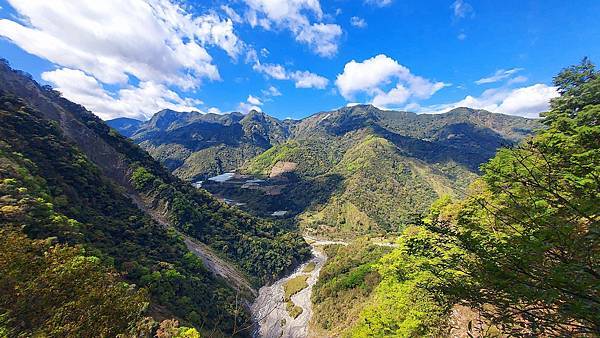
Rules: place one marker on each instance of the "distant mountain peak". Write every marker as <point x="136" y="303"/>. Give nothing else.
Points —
<point x="125" y="125"/>
<point x="164" y="118"/>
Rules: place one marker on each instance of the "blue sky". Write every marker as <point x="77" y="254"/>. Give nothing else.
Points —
<point x="293" y="58"/>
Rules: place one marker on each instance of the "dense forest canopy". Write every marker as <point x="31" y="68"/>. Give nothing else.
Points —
<point x="514" y="253"/>
<point x="519" y="255"/>
<point x="69" y="179"/>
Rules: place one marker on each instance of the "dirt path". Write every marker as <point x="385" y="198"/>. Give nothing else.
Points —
<point x="218" y="265"/>
<point x="212" y="261"/>
<point x="269" y="309"/>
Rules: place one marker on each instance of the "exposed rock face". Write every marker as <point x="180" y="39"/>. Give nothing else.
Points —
<point x="282" y="167"/>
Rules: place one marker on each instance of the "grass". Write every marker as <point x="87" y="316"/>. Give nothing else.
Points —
<point x="294" y="285"/>
<point x="293" y="309"/>
<point x="310" y="267"/>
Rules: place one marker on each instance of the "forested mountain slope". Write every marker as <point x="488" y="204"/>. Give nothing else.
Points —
<point x="195" y="146"/>
<point x="67" y="175"/>
<point x="386" y="167"/>
<point x="517" y="256"/>
<point x="368" y="170"/>
<point x="126" y="126"/>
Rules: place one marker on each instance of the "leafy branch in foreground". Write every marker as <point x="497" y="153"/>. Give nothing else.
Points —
<point x="531" y="225"/>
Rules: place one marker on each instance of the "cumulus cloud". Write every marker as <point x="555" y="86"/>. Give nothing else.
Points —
<point x="252" y="103"/>
<point x="305" y="79"/>
<point x="271" y="91"/>
<point x="143" y="47"/>
<point x="137" y="102"/>
<point x="254" y="100"/>
<point x="374" y="75"/>
<point x="302" y="79"/>
<point x="153" y="40"/>
<point x="358" y="22"/>
<point x="499" y="75"/>
<point x="525" y="101"/>
<point x="295" y="15"/>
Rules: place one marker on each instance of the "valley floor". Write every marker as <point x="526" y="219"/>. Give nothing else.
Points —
<point x="269" y="309"/>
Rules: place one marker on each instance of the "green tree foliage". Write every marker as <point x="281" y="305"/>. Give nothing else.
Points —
<point x="82" y="170"/>
<point x="50" y="190"/>
<point x="261" y="248"/>
<point x="346" y="283"/>
<point x="410" y="301"/>
<point x="530" y="227"/>
<point x="522" y="248"/>
<point x="49" y="289"/>
<point x="171" y="329"/>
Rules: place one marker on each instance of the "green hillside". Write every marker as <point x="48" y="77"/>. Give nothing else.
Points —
<point x="376" y="180"/>
<point x="69" y="178"/>
<point x="516" y="256"/>
<point x="195" y="146"/>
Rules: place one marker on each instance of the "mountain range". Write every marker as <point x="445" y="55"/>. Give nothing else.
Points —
<point x="195" y="145"/>
<point x="352" y="171"/>
<point x="68" y="179"/>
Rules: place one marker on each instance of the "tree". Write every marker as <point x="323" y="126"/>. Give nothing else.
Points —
<point x="55" y="290"/>
<point x="531" y="225"/>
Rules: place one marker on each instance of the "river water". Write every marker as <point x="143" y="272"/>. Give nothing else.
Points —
<point x="269" y="309"/>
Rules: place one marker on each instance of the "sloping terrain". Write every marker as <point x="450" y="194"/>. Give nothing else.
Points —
<point x="196" y="146"/>
<point x="356" y="170"/>
<point x="375" y="171"/>
<point x="94" y="176"/>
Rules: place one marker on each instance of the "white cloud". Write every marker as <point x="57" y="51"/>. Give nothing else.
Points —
<point x="295" y="15"/>
<point x="379" y="3"/>
<point x="322" y="38"/>
<point x="517" y="79"/>
<point x="214" y="110"/>
<point x="153" y="40"/>
<point x="461" y="36"/>
<point x="358" y="22"/>
<point x="136" y="102"/>
<point x="462" y="9"/>
<point x="396" y="95"/>
<point x="232" y="14"/>
<point x="302" y="79"/>
<point x="525" y="101"/>
<point x="254" y="100"/>
<point x="275" y="71"/>
<point x="305" y="79"/>
<point x="245" y="107"/>
<point x="499" y="75"/>
<point x="373" y="75"/>
<point x="252" y="103"/>
<point x="271" y="91"/>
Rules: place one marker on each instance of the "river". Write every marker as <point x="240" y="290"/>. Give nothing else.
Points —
<point x="269" y="309"/>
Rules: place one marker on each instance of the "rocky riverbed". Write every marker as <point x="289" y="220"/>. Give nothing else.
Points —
<point x="269" y="310"/>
